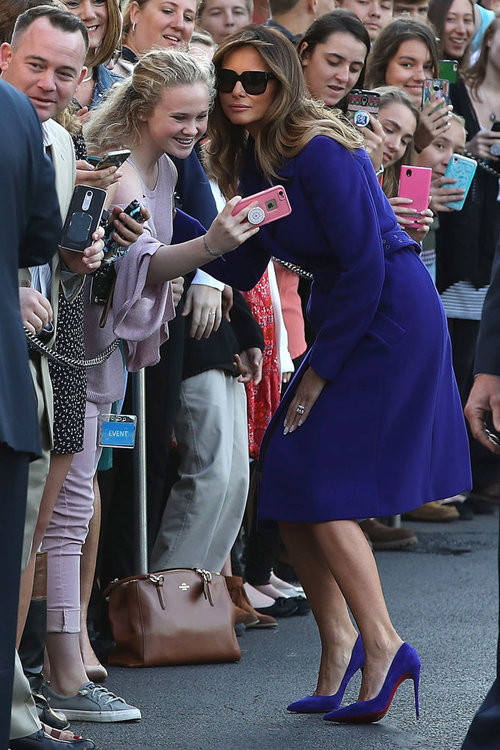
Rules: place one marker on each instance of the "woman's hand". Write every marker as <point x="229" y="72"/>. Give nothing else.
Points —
<point x="36" y="311"/>
<point x="374" y="142"/>
<point x="205" y="304"/>
<point x="227" y="302"/>
<point x="126" y="229"/>
<point x="177" y="289"/>
<point x="434" y="120"/>
<point x="88" y="261"/>
<point x="227" y="231"/>
<point x="304" y="399"/>
<point x="482" y="142"/>
<point x="406" y="217"/>
<point x="249" y="365"/>
<point x="443" y="192"/>
<point x="86" y="174"/>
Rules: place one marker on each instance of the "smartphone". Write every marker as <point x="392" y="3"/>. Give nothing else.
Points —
<point x="448" y="69"/>
<point x="111" y="245"/>
<point x="462" y="169"/>
<point x="83" y="217"/>
<point x="273" y="204"/>
<point x="435" y="88"/>
<point x="359" y="103"/>
<point x="415" y="183"/>
<point x="111" y="159"/>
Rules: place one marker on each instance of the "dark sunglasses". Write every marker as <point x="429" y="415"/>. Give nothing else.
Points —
<point x="253" y="81"/>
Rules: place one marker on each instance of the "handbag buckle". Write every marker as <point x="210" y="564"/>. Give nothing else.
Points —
<point x="207" y="588"/>
<point x="158" y="582"/>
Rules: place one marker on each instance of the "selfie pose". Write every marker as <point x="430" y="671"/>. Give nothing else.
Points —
<point x="366" y="428"/>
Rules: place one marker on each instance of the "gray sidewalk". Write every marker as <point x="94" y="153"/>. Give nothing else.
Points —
<point x="443" y="599"/>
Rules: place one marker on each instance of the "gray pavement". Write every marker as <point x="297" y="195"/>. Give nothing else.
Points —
<point x="443" y="598"/>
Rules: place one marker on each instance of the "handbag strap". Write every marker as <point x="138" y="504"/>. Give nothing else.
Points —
<point x="157" y="579"/>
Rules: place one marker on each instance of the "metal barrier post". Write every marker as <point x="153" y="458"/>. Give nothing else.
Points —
<point x="140" y="486"/>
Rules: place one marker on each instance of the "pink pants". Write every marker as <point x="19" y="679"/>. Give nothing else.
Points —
<point x="68" y="530"/>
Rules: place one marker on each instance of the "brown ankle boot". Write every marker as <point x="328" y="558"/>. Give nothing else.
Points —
<point x="240" y="600"/>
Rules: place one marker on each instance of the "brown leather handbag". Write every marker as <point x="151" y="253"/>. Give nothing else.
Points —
<point x="178" y="616"/>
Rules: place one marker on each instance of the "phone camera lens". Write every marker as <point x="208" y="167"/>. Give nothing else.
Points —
<point x="408" y="172"/>
<point x="364" y="101"/>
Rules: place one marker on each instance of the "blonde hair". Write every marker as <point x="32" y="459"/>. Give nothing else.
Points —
<point x="116" y="122"/>
<point x="291" y="121"/>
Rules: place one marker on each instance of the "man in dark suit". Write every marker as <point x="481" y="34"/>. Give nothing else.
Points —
<point x="31" y="227"/>
<point x="483" y="404"/>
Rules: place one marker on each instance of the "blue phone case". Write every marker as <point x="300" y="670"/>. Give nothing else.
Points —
<point x="461" y="169"/>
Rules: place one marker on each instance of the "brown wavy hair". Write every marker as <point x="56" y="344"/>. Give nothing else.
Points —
<point x="388" y="42"/>
<point x="291" y="121"/>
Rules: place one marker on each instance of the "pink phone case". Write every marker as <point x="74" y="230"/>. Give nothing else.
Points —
<point x="415" y="183"/>
<point x="272" y="204"/>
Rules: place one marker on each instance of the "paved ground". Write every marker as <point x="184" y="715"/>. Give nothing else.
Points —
<point x="443" y="599"/>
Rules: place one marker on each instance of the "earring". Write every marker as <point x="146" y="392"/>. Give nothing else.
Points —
<point x="133" y="27"/>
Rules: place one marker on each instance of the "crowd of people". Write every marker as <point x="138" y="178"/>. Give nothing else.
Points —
<point x="264" y="348"/>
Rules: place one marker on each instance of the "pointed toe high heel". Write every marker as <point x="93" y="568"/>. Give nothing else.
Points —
<point x="320" y="704"/>
<point x="405" y="666"/>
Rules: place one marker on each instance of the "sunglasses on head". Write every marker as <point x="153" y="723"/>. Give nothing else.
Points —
<point x="253" y="81"/>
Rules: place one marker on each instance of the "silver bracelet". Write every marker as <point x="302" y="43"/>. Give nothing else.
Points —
<point x="211" y="252"/>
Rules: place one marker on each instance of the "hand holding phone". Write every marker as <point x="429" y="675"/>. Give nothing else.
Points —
<point x="415" y="183"/>
<point x="111" y="245"/>
<point x="111" y="159"/>
<point x="461" y="169"/>
<point x="435" y="88"/>
<point x="360" y="104"/>
<point x="83" y="218"/>
<point x="448" y="69"/>
<point x="272" y="204"/>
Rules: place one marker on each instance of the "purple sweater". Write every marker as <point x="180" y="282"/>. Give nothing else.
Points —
<point x="140" y="312"/>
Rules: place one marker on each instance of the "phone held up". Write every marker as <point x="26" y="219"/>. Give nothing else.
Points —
<point x="435" y="88"/>
<point x="83" y="217"/>
<point x="111" y="159"/>
<point x="415" y="183"/>
<point x="462" y="170"/>
<point x="272" y="204"/>
<point x="448" y="69"/>
<point x="360" y="104"/>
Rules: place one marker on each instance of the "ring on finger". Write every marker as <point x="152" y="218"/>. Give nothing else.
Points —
<point x="300" y="408"/>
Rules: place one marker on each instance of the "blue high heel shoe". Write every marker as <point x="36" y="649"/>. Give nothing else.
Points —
<point x="405" y="666"/>
<point x="320" y="704"/>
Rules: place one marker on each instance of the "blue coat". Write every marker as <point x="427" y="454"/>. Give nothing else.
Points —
<point x="387" y="432"/>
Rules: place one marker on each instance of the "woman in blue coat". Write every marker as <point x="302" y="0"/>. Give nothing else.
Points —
<point x="372" y="424"/>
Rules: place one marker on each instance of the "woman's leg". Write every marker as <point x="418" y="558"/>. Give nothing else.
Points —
<point x="59" y="467"/>
<point x="63" y="541"/>
<point x="336" y="630"/>
<point x="349" y="558"/>
<point x="93" y="667"/>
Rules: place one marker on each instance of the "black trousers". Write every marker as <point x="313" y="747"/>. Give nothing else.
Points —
<point x="13" y="490"/>
<point x="463" y="334"/>
<point x="484" y="732"/>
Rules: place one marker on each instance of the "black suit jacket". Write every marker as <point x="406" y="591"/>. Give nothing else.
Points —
<point x="488" y="345"/>
<point x="484" y="732"/>
<point x="31" y="228"/>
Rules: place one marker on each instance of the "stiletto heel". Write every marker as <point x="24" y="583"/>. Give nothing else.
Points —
<point x="405" y="666"/>
<point x="320" y="704"/>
